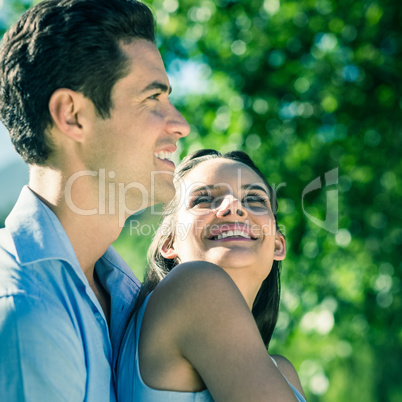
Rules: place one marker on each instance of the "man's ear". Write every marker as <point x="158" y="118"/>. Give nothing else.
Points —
<point x="65" y="107"/>
<point x="280" y="247"/>
<point x="168" y="251"/>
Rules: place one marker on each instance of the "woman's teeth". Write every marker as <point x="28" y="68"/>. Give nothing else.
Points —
<point x="232" y="233"/>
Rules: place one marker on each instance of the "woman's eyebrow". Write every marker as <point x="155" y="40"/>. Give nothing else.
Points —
<point x="203" y="188"/>
<point x="254" y="187"/>
<point x="214" y="187"/>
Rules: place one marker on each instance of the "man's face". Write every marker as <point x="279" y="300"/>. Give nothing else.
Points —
<point x="135" y="144"/>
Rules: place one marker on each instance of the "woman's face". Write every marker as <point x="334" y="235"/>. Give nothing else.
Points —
<point x="225" y="217"/>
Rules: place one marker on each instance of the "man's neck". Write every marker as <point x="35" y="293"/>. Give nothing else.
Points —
<point x="76" y="208"/>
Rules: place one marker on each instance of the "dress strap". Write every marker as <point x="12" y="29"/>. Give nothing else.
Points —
<point x="276" y="364"/>
<point x="298" y="395"/>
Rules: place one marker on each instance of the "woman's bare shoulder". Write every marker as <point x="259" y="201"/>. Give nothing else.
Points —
<point x="193" y="292"/>
<point x="288" y="370"/>
<point x="201" y="324"/>
<point x="198" y="281"/>
<point x="185" y="310"/>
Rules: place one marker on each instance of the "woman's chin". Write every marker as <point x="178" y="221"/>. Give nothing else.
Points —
<point x="234" y="258"/>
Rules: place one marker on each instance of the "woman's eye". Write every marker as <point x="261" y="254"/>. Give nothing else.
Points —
<point x="202" y="200"/>
<point x="255" y="201"/>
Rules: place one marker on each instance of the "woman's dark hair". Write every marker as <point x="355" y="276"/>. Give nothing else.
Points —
<point x="266" y="304"/>
<point x="71" y="44"/>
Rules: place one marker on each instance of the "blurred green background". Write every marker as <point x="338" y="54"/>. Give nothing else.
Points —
<point x="312" y="91"/>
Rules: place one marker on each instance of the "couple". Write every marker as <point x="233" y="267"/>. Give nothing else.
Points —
<point x="84" y="95"/>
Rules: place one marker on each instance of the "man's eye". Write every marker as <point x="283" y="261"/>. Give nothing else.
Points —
<point x="154" y="96"/>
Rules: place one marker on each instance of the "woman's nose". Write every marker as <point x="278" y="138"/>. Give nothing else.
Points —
<point x="230" y="205"/>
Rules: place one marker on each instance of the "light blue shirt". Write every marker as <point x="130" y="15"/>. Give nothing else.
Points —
<point x="55" y="344"/>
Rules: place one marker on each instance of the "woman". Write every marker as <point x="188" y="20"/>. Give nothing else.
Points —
<point x="201" y="330"/>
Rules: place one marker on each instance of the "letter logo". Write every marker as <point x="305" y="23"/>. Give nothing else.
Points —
<point x="330" y="223"/>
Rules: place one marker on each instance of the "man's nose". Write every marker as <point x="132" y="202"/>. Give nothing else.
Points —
<point x="176" y="123"/>
<point x="231" y="205"/>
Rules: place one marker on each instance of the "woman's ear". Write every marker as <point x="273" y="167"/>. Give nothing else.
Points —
<point x="65" y="107"/>
<point x="168" y="250"/>
<point x="280" y="247"/>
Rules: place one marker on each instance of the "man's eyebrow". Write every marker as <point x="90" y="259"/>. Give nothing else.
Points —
<point x="158" y="85"/>
<point x="254" y="187"/>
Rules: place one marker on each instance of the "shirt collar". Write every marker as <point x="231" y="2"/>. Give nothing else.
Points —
<point x="37" y="233"/>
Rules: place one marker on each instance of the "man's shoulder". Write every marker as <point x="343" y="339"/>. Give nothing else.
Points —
<point x="11" y="275"/>
<point x="27" y="269"/>
<point x="29" y="281"/>
<point x="6" y="241"/>
<point x="28" y="308"/>
<point x="36" y="339"/>
<point x="27" y="317"/>
<point x="31" y="314"/>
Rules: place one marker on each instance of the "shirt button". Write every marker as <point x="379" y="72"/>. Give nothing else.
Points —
<point x="99" y="318"/>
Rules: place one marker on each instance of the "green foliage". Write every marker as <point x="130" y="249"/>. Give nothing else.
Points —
<point x="306" y="87"/>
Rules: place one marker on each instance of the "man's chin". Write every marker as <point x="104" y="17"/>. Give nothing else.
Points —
<point x="163" y="193"/>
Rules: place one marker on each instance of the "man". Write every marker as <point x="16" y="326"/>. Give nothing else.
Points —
<point x="84" y="95"/>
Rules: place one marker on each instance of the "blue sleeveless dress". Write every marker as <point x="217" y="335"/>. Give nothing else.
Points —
<point x="131" y="387"/>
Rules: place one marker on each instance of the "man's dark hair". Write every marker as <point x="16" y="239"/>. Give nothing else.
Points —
<point x="72" y="44"/>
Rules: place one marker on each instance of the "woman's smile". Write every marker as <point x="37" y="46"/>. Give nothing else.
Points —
<point x="230" y="232"/>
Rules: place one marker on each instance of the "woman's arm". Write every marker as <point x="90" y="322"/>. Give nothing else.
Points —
<point x="287" y="369"/>
<point x="206" y="322"/>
